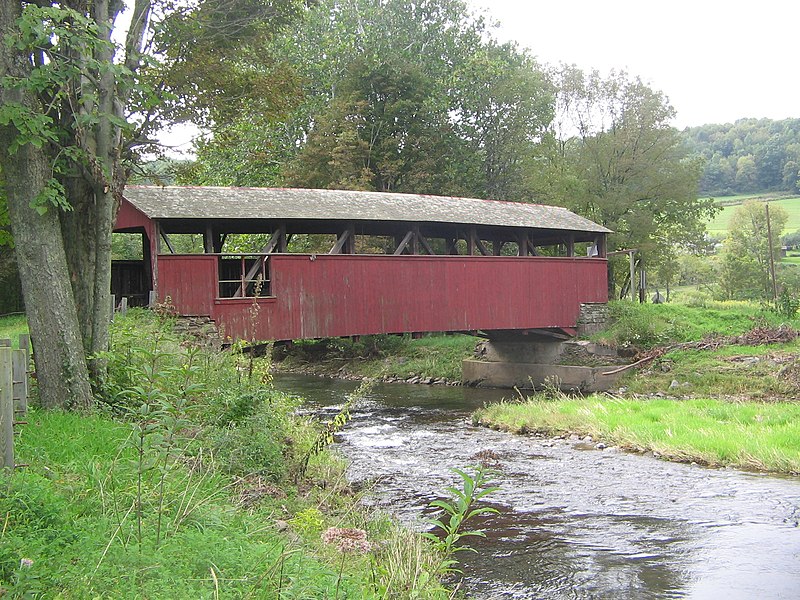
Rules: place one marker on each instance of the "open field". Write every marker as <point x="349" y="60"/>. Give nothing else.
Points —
<point x="718" y="226"/>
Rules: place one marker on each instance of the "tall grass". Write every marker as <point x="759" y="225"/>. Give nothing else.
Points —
<point x="182" y="486"/>
<point x="749" y="435"/>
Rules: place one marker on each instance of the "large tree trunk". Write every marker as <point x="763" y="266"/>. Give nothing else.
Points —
<point x="52" y="318"/>
<point x="77" y="227"/>
<point x="60" y="365"/>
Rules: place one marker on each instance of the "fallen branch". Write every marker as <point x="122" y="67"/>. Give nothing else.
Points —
<point x="659" y="352"/>
<point x="758" y="336"/>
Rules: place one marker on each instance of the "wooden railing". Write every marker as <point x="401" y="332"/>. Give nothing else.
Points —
<point x="14" y="367"/>
<point x="244" y="275"/>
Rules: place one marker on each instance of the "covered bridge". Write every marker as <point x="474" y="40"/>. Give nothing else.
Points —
<point x="393" y="263"/>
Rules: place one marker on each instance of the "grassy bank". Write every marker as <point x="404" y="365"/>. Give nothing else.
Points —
<point x="727" y="405"/>
<point x="754" y="435"/>
<point x="380" y="357"/>
<point x="193" y="479"/>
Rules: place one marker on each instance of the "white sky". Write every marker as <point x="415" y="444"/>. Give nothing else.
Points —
<point x="716" y="60"/>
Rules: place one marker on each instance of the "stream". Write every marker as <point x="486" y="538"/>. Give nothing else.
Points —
<point x="574" y="521"/>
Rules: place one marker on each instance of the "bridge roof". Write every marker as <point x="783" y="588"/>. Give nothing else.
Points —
<point x="178" y="202"/>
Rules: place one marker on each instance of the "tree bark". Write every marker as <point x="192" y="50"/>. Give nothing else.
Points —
<point x="60" y="364"/>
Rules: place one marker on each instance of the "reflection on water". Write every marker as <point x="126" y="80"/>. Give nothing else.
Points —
<point x="572" y="523"/>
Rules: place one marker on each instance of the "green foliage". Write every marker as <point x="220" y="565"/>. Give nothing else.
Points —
<point x="434" y="356"/>
<point x="12" y="326"/>
<point x="745" y="267"/>
<point x="787" y="304"/>
<point x="612" y="156"/>
<point x="456" y="512"/>
<point x="396" y="96"/>
<point x="144" y="506"/>
<point x="326" y="437"/>
<point x="748" y="155"/>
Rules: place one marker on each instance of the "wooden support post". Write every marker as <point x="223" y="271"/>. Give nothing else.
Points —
<point x="633" y="275"/>
<point x="497" y="247"/>
<point x="259" y="266"/>
<point x="19" y="376"/>
<point x="6" y="410"/>
<point x="481" y="248"/>
<point x="208" y="240"/>
<point x="340" y="242"/>
<point x="471" y="235"/>
<point x="26" y="350"/>
<point x="452" y="245"/>
<point x="25" y="344"/>
<point x="167" y="241"/>
<point x="522" y="245"/>
<point x="155" y="248"/>
<point x="420" y="239"/>
<point x="113" y="306"/>
<point x="404" y="243"/>
<point x="123" y="305"/>
<point x="350" y="246"/>
<point x="571" y="244"/>
<point x="600" y="243"/>
<point x="152" y="300"/>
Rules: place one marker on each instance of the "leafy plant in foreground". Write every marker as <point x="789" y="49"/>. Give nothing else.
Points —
<point x="325" y="438"/>
<point x="459" y="509"/>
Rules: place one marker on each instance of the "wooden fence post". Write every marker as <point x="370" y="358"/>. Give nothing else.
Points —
<point x="6" y="410"/>
<point x="19" y="384"/>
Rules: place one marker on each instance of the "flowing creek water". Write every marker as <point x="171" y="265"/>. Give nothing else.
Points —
<point x="574" y="521"/>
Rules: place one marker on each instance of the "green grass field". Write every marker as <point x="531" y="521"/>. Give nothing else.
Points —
<point x="718" y="226"/>
<point x="748" y="435"/>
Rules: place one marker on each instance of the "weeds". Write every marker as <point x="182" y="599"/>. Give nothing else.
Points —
<point x="456" y="511"/>
<point x="145" y="508"/>
<point x="326" y="436"/>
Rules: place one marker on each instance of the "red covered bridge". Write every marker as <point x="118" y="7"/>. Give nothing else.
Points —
<point x="392" y="263"/>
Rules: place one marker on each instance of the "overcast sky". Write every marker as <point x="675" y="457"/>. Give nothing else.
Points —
<point x="716" y="60"/>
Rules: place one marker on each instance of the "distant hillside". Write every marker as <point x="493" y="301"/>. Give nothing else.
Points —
<point x="751" y="155"/>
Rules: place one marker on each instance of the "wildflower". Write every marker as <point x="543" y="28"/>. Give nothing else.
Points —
<point x="25" y="563"/>
<point x="347" y="539"/>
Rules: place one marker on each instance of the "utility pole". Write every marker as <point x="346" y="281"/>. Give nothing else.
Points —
<point x="771" y="256"/>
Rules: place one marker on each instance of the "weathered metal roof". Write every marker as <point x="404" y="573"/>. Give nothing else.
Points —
<point x="175" y="202"/>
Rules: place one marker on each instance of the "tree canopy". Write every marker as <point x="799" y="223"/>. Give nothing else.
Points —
<point x="750" y="155"/>
<point x="76" y="109"/>
<point x="398" y="95"/>
<point x="745" y="262"/>
<point x="612" y="155"/>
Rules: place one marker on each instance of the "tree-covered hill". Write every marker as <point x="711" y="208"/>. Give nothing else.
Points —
<point x="750" y="155"/>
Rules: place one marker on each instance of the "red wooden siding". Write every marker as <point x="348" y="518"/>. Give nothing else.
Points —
<point x="190" y="281"/>
<point x="340" y="295"/>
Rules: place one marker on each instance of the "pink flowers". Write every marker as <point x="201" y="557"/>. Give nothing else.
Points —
<point x="347" y="539"/>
